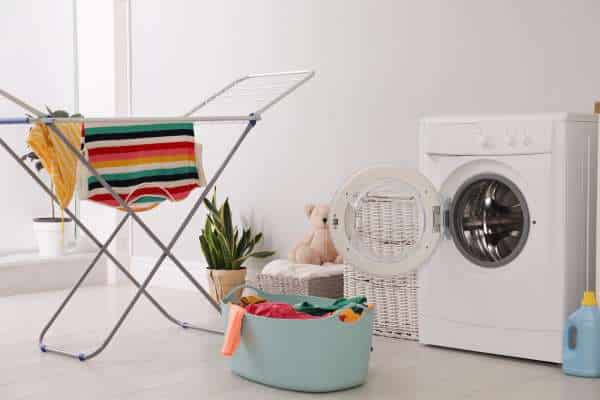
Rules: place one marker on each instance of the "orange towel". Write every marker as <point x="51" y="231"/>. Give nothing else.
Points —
<point x="233" y="333"/>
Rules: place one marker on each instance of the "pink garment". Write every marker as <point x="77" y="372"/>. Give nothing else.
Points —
<point x="277" y="310"/>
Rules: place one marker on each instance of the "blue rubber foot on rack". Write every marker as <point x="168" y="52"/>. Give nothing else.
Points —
<point x="81" y="357"/>
<point x="185" y="325"/>
<point x="43" y="348"/>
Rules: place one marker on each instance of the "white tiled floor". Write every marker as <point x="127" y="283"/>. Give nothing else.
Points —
<point x="152" y="359"/>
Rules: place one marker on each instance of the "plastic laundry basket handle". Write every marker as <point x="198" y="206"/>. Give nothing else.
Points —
<point x="233" y="291"/>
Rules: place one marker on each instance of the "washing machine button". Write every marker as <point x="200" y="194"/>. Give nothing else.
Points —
<point x="486" y="142"/>
<point x="511" y="140"/>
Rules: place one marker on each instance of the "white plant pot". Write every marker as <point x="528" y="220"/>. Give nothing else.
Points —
<point x="51" y="235"/>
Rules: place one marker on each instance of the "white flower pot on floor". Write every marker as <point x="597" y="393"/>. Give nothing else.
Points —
<point x="51" y="235"/>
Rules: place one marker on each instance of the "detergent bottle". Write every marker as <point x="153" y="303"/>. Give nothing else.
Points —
<point x="581" y="340"/>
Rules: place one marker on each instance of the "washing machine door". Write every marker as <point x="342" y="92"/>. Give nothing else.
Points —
<point x="489" y="220"/>
<point x="386" y="220"/>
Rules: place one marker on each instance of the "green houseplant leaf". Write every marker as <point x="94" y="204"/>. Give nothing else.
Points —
<point x="227" y="225"/>
<point x="239" y="251"/>
<point x="206" y="251"/>
<point x="257" y="254"/>
<point x="220" y="241"/>
<point x="209" y="204"/>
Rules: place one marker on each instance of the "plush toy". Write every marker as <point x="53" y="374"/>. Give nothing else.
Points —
<point x="316" y="247"/>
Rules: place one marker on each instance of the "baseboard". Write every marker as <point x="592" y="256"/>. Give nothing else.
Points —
<point x="30" y="273"/>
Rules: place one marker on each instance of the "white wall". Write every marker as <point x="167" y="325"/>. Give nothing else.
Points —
<point x="381" y="65"/>
<point x="37" y="64"/>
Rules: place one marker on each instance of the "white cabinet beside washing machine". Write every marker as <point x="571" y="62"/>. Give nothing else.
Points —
<point x="518" y="197"/>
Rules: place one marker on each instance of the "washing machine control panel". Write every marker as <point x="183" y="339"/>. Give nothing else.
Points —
<point x="488" y="137"/>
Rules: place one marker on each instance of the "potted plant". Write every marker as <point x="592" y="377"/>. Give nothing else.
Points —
<point x="226" y="249"/>
<point x="49" y="231"/>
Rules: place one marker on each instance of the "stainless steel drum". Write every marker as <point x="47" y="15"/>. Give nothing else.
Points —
<point x="489" y="220"/>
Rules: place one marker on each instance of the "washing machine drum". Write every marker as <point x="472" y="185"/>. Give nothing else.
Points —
<point x="388" y="221"/>
<point x="489" y="220"/>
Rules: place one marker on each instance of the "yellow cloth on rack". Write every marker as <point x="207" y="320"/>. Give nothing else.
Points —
<point x="57" y="159"/>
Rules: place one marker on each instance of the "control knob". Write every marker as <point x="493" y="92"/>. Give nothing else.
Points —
<point x="486" y="141"/>
<point x="511" y="140"/>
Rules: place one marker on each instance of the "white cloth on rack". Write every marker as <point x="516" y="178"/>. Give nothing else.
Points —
<point x="284" y="268"/>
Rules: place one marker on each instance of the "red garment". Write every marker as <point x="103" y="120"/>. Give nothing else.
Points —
<point x="277" y="310"/>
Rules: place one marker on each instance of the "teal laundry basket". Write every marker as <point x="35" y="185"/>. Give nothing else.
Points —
<point x="315" y="355"/>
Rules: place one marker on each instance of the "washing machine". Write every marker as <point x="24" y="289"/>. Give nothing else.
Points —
<point x="499" y="222"/>
<point x="518" y="207"/>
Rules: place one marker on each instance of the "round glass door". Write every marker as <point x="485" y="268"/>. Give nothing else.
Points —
<point x="489" y="220"/>
<point x="386" y="220"/>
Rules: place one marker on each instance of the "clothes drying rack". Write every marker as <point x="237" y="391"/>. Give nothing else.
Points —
<point x="259" y="92"/>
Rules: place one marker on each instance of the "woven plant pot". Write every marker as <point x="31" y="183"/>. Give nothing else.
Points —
<point x="221" y="281"/>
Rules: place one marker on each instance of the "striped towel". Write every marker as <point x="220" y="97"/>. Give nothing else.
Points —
<point x="145" y="164"/>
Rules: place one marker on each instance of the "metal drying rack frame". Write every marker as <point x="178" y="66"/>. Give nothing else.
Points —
<point x="274" y="86"/>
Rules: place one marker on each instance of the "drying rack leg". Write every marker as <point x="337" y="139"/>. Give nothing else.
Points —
<point x="133" y="214"/>
<point x="166" y="250"/>
<point x="103" y="250"/>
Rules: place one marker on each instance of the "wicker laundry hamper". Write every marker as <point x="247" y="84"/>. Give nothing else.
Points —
<point x="395" y="301"/>
<point x="330" y="286"/>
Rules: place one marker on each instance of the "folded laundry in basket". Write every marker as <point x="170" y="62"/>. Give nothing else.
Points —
<point x="347" y="310"/>
<point x="251" y="299"/>
<point x="264" y="309"/>
<point x="145" y="164"/>
<point x="348" y="315"/>
<point x="278" y="310"/>
<point x="309" y="308"/>
<point x="352" y="314"/>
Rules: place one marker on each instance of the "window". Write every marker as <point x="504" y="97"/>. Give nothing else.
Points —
<point x="38" y="65"/>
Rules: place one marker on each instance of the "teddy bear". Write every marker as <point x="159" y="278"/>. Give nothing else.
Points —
<point x="316" y="247"/>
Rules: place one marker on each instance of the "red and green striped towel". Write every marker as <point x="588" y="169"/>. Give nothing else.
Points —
<point x="145" y="164"/>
